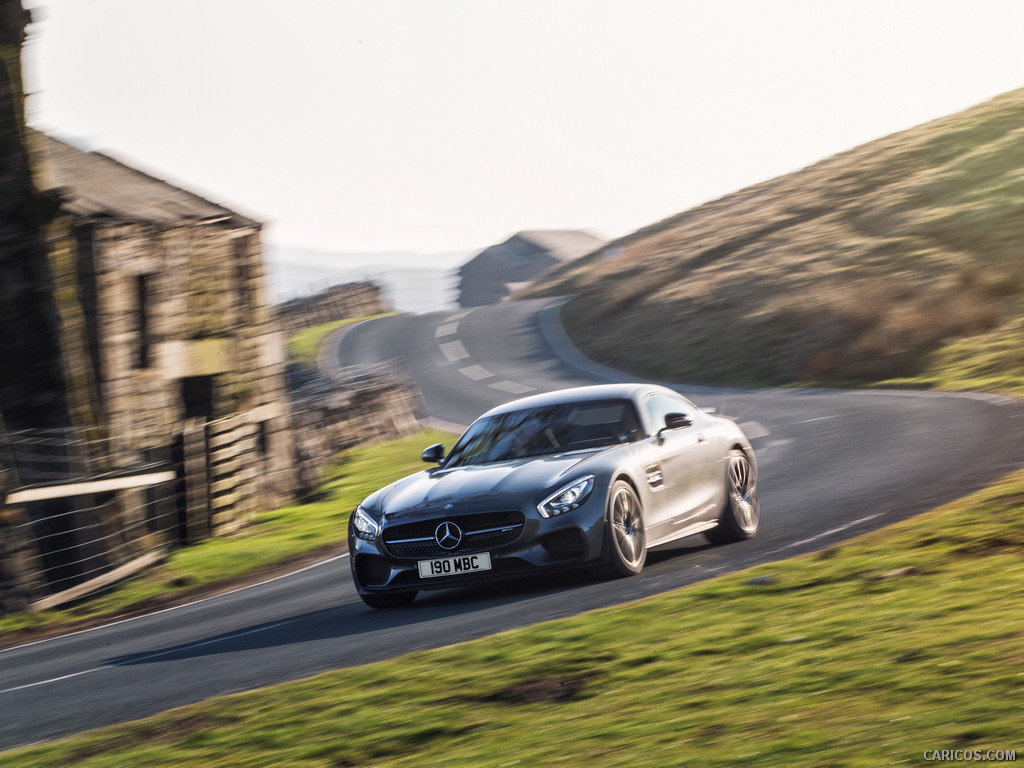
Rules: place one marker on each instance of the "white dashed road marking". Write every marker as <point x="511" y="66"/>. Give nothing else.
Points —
<point x="51" y="680"/>
<point x="453" y="350"/>
<point x="150" y="656"/>
<point x="55" y="638"/>
<point x="511" y="387"/>
<point x="825" y="534"/>
<point x="446" y="330"/>
<point x="475" y="372"/>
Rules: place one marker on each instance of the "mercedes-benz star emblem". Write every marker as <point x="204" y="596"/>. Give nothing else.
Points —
<point x="448" y="535"/>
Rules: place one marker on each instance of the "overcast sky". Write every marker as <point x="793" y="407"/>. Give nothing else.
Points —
<point x="436" y="125"/>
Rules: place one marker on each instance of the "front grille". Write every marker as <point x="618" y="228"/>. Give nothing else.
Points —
<point x="480" y="532"/>
<point x="474" y="522"/>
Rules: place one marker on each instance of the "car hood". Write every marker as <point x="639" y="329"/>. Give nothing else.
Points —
<point x="472" y="488"/>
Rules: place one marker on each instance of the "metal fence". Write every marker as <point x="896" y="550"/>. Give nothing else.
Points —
<point x="42" y="457"/>
<point x="82" y="512"/>
<point x="79" y="513"/>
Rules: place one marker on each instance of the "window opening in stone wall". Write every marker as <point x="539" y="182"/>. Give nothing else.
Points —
<point x="197" y="397"/>
<point x="88" y="292"/>
<point x="262" y="438"/>
<point x="243" y="280"/>
<point x="143" y="296"/>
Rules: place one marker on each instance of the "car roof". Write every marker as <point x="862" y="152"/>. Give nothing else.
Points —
<point x="579" y="394"/>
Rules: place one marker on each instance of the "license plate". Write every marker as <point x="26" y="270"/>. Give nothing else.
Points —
<point x="452" y="566"/>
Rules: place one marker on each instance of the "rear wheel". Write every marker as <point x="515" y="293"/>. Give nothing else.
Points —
<point x="388" y="599"/>
<point x="742" y="512"/>
<point x="626" y="537"/>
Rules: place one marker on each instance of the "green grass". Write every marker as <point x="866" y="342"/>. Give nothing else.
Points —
<point x="906" y="639"/>
<point x="304" y="346"/>
<point x="992" y="362"/>
<point x="276" y="536"/>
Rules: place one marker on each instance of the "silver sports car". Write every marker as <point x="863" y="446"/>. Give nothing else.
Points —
<point x="592" y="476"/>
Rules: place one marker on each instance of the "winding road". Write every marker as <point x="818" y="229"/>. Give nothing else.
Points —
<point x="832" y="464"/>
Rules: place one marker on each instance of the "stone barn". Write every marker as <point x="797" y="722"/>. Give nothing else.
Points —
<point x="142" y="397"/>
<point x="166" y="335"/>
<point x="494" y="273"/>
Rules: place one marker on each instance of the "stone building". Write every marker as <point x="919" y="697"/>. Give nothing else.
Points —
<point x="494" y="273"/>
<point x="160" y="297"/>
<point x="142" y="396"/>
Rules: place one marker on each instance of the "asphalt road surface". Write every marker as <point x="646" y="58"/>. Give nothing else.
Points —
<point x="832" y="465"/>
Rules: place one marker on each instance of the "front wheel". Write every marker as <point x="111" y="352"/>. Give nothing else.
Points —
<point x="742" y="512"/>
<point x="626" y="537"/>
<point x="388" y="599"/>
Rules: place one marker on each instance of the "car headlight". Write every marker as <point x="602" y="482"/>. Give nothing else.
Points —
<point x="567" y="498"/>
<point x="366" y="527"/>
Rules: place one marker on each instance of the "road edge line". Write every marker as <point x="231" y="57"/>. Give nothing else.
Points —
<point x="174" y="607"/>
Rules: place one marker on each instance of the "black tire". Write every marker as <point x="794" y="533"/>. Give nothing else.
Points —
<point x="741" y="514"/>
<point x="625" y="534"/>
<point x="388" y="599"/>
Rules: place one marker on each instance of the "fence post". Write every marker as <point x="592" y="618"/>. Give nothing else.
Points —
<point x="21" y="577"/>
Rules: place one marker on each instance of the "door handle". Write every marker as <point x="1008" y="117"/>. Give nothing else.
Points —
<point x="700" y="437"/>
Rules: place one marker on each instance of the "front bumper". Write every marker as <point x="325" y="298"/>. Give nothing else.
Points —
<point x="543" y="544"/>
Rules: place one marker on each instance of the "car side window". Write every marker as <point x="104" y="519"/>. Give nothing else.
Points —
<point x="658" y="406"/>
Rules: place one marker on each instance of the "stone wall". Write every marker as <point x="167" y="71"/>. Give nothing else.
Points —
<point x="331" y="416"/>
<point x="161" y="324"/>
<point x="339" y="302"/>
<point x="182" y="331"/>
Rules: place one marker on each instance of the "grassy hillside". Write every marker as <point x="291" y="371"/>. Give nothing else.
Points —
<point x="903" y="258"/>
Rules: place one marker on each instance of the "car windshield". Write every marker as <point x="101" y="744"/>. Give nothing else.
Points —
<point x="545" y="430"/>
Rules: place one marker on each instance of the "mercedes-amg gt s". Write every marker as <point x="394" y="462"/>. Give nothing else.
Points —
<point x="585" y="476"/>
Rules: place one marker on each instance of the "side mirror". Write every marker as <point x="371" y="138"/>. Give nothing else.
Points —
<point x="675" y="421"/>
<point x="434" y="454"/>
